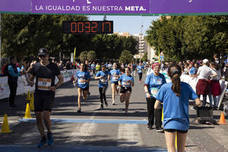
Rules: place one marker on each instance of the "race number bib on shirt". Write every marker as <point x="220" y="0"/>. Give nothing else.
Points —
<point x="82" y="81"/>
<point x="44" y="84"/>
<point x="103" y="80"/>
<point x="154" y="91"/>
<point x="115" y="78"/>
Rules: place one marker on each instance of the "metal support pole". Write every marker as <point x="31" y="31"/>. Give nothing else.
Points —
<point x="0" y="42"/>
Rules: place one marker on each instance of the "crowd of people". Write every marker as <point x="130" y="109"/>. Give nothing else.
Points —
<point x="173" y="96"/>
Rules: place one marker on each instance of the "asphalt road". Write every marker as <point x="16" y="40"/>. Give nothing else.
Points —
<point x="102" y="130"/>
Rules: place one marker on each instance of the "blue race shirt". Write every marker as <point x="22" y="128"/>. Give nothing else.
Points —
<point x="103" y="82"/>
<point x="139" y="68"/>
<point x="93" y="66"/>
<point x="154" y="83"/>
<point x="125" y="80"/>
<point x="192" y="71"/>
<point x="176" y="112"/>
<point x="82" y="76"/>
<point x="115" y="75"/>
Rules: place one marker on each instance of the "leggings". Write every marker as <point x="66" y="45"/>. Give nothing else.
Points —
<point x="102" y="92"/>
<point x="140" y="76"/>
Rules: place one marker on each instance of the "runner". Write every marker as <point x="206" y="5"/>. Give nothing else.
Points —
<point x="175" y="96"/>
<point x="153" y="83"/>
<point x="139" y="70"/>
<point x="45" y="87"/>
<point x="126" y="81"/>
<point x="82" y="78"/>
<point x="115" y="74"/>
<point x="103" y="77"/>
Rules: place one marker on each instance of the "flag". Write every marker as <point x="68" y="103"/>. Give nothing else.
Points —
<point x="74" y="54"/>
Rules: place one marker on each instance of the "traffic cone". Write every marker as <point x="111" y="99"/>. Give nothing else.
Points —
<point x="222" y="120"/>
<point x="32" y="102"/>
<point x="5" y="125"/>
<point x="27" y="112"/>
<point x="28" y="96"/>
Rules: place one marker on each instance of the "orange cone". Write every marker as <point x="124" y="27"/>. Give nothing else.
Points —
<point x="222" y="120"/>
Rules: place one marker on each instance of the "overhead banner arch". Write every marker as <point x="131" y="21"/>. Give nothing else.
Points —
<point x="116" y="7"/>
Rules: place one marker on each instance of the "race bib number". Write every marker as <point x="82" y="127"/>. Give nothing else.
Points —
<point x="126" y="84"/>
<point x="44" y="84"/>
<point x="81" y="81"/>
<point x="154" y="91"/>
<point x="103" y="80"/>
<point x="115" y="78"/>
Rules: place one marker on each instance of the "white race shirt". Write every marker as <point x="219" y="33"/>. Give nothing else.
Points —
<point x="204" y="72"/>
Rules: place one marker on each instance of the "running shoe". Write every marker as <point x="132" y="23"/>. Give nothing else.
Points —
<point x="159" y="130"/>
<point x="79" y="111"/>
<point x="113" y="103"/>
<point x="106" y="103"/>
<point x="43" y="141"/>
<point x="101" y="107"/>
<point x="50" y="138"/>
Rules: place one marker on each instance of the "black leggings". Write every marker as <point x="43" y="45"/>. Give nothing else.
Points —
<point x="152" y="113"/>
<point x="102" y="92"/>
<point x="140" y="76"/>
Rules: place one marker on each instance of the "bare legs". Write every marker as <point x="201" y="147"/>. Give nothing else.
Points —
<point x="43" y="117"/>
<point x="125" y="97"/>
<point x="170" y="141"/>
<point x="114" y="92"/>
<point x="84" y="94"/>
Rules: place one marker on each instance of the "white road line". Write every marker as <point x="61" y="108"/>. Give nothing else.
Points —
<point x="84" y="131"/>
<point x="129" y="135"/>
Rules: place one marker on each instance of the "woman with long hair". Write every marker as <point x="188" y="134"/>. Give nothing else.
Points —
<point x="115" y="74"/>
<point x="103" y="76"/>
<point x="82" y="80"/>
<point x="175" y="98"/>
<point x="126" y="82"/>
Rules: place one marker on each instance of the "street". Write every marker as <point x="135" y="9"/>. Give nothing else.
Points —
<point x="102" y="130"/>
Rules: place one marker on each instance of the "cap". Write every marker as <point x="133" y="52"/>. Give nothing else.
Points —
<point x="43" y="52"/>
<point x="205" y="61"/>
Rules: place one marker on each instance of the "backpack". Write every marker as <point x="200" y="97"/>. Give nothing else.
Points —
<point x="6" y="72"/>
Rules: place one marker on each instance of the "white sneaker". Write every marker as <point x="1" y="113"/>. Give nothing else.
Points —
<point x="113" y="103"/>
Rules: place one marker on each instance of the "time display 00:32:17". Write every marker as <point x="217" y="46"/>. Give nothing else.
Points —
<point x="89" y="27"/>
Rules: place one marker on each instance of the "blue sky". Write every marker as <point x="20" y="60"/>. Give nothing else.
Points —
<point x="129" y="24"/>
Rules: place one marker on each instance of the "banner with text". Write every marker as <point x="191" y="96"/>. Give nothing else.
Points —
<point x="135" y="7"/>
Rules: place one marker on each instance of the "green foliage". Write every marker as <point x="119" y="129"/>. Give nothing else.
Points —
<point x="83" y="56"/>
<point x="144" y="58"/>
<point x="91" y="55"/>
<point x="189" y="37"/>
<point x="126" y="57"/>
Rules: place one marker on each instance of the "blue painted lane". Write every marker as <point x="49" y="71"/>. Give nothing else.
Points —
<point x="67" y="148"/>
<point x="99" y="121"/>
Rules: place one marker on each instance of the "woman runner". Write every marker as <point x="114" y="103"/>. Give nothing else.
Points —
<point x="115" y="74"/>
<point x="103" y="76"/>
<point x="82" y="79"/>
<point x="126" y="81"/>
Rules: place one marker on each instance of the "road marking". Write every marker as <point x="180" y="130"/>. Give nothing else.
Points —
<point x="129" y="135"/>
<point x="99" y="121"/>
<point x="57" y="148"/>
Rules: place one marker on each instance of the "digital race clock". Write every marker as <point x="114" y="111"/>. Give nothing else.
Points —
<point x="90" y="27"/>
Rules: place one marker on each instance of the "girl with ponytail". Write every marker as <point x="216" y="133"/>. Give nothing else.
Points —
<point x="175" y="99"/>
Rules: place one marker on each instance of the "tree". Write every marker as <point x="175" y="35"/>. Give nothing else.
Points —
<point x="83" y="56"/>
<point x="144" y="58"/>
<point x="189" y="37"/>
<point x="91" y="55"/>
<point x="126" y="57"/>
